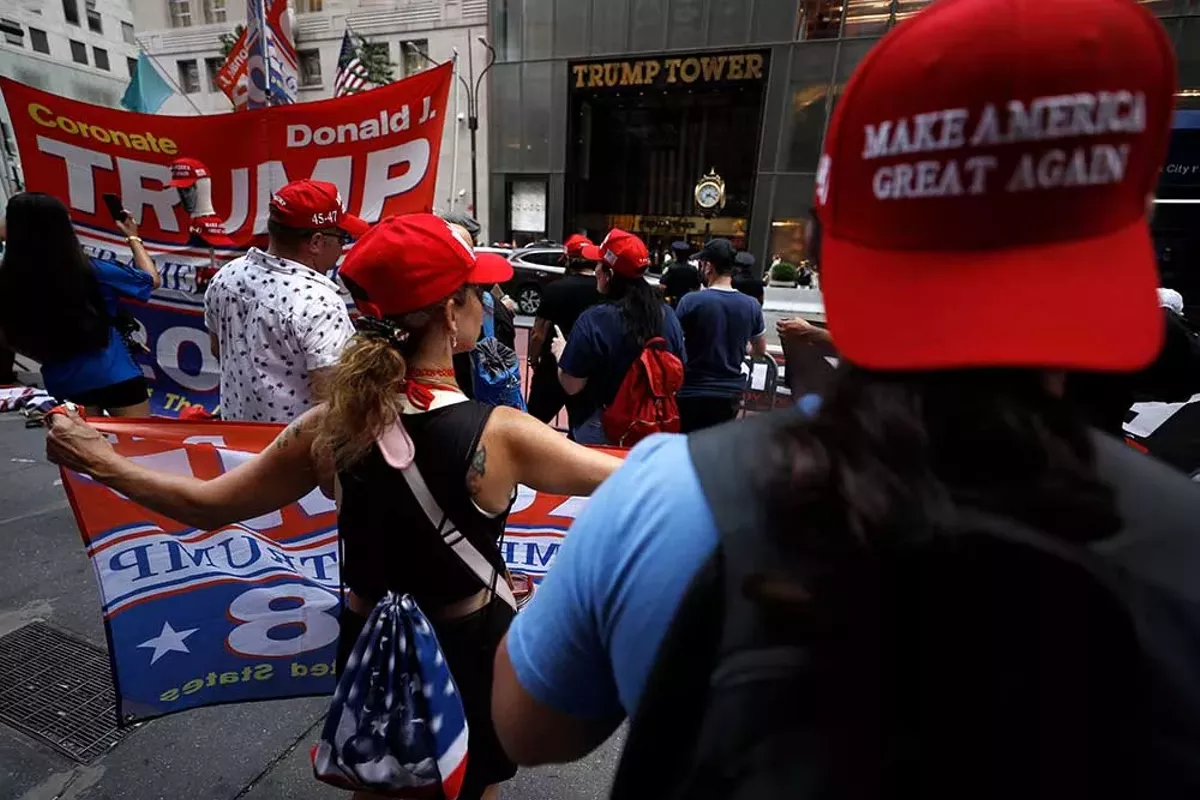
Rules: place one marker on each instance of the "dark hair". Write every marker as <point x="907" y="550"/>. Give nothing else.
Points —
<point x="890" y="455"/>
<point x="579" y="265"/>
<point x="640" y="306"/>
<point x="51" y="308"/>
<point x="290" y="238"/>
<point x="720" y="266"/>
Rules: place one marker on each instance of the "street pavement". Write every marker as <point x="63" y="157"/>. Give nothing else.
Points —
<point x="253" y="751"/>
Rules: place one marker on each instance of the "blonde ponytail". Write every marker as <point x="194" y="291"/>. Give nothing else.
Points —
<point x="364" y="398"/>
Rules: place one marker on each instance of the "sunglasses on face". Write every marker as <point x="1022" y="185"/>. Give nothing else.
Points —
<point x="342" y="237"/>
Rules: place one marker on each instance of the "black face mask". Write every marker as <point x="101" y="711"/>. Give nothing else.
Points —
<point x="188" y="197"/>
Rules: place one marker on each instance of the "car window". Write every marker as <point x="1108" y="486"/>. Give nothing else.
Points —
<point x="545" y="258"/>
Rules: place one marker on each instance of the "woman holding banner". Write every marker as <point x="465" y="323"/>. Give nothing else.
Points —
<point x="393" y="404"/>
<point x="59" y="307"/>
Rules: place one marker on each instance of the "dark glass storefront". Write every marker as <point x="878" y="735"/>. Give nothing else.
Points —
<point x="579" y="140"/>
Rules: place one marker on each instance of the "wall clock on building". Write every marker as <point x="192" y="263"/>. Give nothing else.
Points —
<point x="710" y="192"/>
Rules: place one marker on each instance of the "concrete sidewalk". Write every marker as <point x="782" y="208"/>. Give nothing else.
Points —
<point x="256" y="751"/>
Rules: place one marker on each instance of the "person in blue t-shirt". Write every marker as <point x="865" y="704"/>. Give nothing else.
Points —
<point x="59" y="307"/>
<point x="719" y="325"/>
<point x="608" y="338"/>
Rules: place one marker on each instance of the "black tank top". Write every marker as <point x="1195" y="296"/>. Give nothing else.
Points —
<point x="389" y="542"/>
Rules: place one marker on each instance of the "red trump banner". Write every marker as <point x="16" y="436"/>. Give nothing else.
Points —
<point x="248" y="611"/>
<point x="380" y="148"/>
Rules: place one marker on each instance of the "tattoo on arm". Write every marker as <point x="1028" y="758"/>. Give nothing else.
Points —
<point x="477" y="470"/>
<point x="290" y="434"/>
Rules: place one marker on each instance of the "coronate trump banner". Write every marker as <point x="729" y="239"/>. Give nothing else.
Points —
<point x="199" y="188"/>
<point x="248" y="611"/>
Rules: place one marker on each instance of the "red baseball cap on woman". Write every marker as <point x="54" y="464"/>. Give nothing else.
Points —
<point x="956" y="218"/>
<point x="623" y="252"/>
<point x="412" y="261"/>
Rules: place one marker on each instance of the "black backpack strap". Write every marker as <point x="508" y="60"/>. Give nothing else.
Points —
<point x="713" y="619"/>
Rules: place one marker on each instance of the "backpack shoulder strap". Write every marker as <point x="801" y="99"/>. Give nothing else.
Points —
<point x="726" y="459"/>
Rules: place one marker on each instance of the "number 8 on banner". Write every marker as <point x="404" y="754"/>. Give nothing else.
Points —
<point x="259" y="612"/>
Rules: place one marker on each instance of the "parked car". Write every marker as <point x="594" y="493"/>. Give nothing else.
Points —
<point x="534" y="268"/>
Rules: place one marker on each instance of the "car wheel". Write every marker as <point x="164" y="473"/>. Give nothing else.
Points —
<point x="529" y="299"/>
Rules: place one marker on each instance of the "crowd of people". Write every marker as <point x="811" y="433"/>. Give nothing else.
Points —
<point x="940" y="580"/>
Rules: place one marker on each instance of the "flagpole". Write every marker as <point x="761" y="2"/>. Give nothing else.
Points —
<point x="454" y="158"/>
<point x="173" y="83"/>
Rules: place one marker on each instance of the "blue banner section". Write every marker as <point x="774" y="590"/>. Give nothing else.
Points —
<point x="177" y="359"/>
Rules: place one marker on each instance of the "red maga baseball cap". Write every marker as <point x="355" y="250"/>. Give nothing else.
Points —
<point x="186" y="171"/>
<point x="983" y="189"/>
<point x="408" y="262"/>
<point x="576" y="242"/>
<point x="308" y="205"/>
<point x="623" y="252"/>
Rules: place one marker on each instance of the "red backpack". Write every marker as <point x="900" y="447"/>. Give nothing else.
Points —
<point x="645" y="402"/>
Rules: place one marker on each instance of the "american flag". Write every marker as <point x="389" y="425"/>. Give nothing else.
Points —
<point x="351" y="74"/>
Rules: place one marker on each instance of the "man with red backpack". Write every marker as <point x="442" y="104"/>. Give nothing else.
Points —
<point x="628" y="350"/>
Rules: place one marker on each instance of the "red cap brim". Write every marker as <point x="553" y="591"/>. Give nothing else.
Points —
<point x="490" y="268"/>
<point x="353" y="225"/>
<point x="217" y="240"/>
<point x="591" y="252"/>
<point x="1087" y="305"/>
<point x="182" y="183"/>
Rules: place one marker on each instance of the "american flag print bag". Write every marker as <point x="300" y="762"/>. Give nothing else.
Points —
<point x="396" y="725"/>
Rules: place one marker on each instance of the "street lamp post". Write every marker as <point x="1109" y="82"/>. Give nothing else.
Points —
<point x="471" y="86"/>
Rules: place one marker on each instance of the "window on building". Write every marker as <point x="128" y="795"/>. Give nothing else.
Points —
<point x="212" y="66"/>
<point x="309" y="6"/>
<point x="94" y="23"/>
<point x="416" y="55"/>
<point x="804" y="118"/>
<point x="71" y="11"/>
<point x="38" y="41"/>
<point x="906" y="8"/>
<point x="819" y="19"/>
<point x="179" y="12"/>
<point x="310" y="67"/>
<point x="13" y="32"/>
<point x="214" y="11"/>
<point x="78" y="52"/>
<point x="127" y="33"/>
<point x="189" y="76"/>
<point x="867" y="17"/>
<point x="131" y="65"/>
<point x="100" y="56"/>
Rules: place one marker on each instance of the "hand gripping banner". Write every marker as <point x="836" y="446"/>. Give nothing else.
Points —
<point x="245" y="612"/>
<point x="379" y="147"/>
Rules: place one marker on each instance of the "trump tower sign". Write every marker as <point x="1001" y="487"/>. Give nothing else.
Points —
<point x="247" y="611"/>
<point x="380" y="148"/>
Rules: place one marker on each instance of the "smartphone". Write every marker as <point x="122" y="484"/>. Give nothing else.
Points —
<point x="115" y="207"/>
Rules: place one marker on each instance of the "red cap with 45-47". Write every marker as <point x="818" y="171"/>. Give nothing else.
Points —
<point x="984" y="184"/>
<point x="312" y="205"/>
<point x="623" y="252"/>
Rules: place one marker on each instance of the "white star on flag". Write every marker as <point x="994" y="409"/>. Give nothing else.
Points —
<point x="170" y="640"/>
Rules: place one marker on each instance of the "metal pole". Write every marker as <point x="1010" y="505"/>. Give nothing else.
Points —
<point x="178" y="88"/>
<point x="454" y="158"/>
<point x="473" y="125"/>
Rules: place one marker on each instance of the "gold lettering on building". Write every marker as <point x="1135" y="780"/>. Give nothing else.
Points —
<point x="664" y="71"/>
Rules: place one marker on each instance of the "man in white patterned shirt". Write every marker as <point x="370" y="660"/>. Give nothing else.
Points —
<point x="276" y="322"/>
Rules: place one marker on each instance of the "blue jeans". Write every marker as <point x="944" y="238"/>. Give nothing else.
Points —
<point x="591" y="430"/>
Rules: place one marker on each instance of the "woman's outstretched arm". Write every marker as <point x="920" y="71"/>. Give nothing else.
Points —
<point x="282" y="473"/>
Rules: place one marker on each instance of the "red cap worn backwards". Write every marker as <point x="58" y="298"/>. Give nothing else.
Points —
<point x="983" y="189"/>
<point x="408" y="262"/>
<point x="624" y="253"/>
<point x="310" y="205"/>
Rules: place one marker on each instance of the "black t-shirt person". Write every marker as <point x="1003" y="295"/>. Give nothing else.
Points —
<point x="562" y="303"/>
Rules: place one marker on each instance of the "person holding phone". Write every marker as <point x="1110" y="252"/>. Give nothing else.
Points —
<point x="59" y="307"/>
